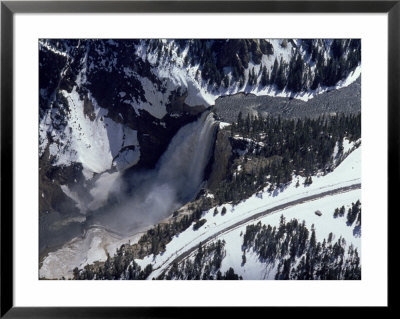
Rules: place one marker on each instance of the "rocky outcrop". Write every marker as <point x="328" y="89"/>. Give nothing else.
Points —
<point x="154" y="137"/>
<point x="221" y="160"/>
<point x="177" y="105"/>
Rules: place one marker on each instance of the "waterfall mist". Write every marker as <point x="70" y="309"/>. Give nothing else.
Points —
<point x="176" y="179"/>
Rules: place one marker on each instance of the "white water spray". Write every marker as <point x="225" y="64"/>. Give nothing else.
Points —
<point x="183" y="164"/>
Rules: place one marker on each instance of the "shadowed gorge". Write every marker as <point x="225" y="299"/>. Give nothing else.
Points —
<point x="154" y="194"/>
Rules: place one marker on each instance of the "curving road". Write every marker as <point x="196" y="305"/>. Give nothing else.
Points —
<point x="165" y="266"/>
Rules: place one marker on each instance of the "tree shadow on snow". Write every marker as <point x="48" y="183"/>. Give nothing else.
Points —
<point x="357" y="231"/>
<point x="280" y="189"/>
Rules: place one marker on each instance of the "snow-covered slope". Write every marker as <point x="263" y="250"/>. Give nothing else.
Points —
<point x="99" y="90"/>
<point x="188" y="76"/>
<point x="97" y="242"/>
<point x="94" y="140"/>
<point x="94" y="246"/>
<point x="254" y="268"/>
<point x="346" y="174"/>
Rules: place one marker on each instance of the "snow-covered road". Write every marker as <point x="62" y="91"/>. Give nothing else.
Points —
<point x="188" y="251"/>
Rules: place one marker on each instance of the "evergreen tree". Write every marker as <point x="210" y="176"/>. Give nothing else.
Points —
<point x="264" y="77"/>
<point x="274" y="71"/>
<point x="223" y="212"/>
<point x="215" y="211"/>
<point x="243" y="258"/>
<point x="280" y="80"/>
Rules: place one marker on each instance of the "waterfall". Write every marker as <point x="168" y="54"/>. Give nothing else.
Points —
<point x="176" y="179"/>
<point x="184" y="161"/>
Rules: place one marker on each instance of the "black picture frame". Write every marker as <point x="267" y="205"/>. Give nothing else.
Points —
<point x="9" y="8"/>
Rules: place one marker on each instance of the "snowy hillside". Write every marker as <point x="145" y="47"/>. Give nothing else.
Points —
<point x="109" y="79"/>
<point x="346" y="174"/>
<point x="137" y="171"/>
<point x="92" y="139"/>
<point x="183" y="70"/>
<point x="231" y="226"/>
<point x="254" y="268"/>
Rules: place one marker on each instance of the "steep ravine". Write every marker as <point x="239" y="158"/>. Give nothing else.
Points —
<point x="60" y="219"/>
<point x="152" y="196"/>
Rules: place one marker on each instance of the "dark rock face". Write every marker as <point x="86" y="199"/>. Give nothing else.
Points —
<point x="154" y="138"/>
<point x="346" y="100"/>
<point x="52" y="198"/>
<point x="50" y="66"/>
<point x="221" y="158"/>
<point x="266" y="47"/>
<point x="177" y="105"/>
<point x="54" y="206"/>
